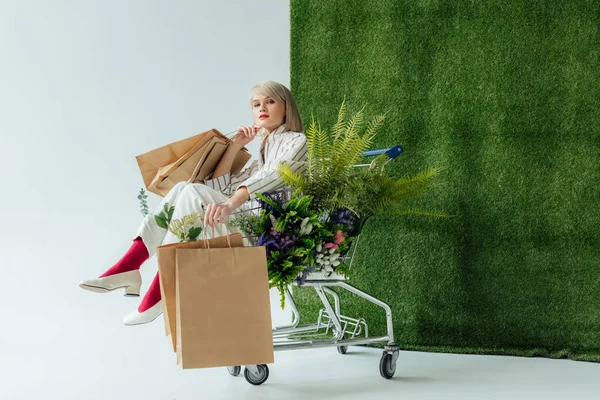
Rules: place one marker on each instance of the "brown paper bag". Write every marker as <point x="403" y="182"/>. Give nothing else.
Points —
<point x="223" y="308"/>
<point x="157" y="164"/>
<point x="208" y="164"/>
<point x="200" y="164"/>
<point x="166" y="266"/>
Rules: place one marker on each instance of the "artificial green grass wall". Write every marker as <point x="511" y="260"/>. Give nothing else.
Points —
<point x="506" y="96"/>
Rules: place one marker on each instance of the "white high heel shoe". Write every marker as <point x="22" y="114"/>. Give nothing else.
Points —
<point x="138" y="318"/>
<point x="130" y="280"/>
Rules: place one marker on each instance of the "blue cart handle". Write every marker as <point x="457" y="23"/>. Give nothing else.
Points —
<point x="391" y="152"/>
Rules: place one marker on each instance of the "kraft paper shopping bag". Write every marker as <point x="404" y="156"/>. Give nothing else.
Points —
<point x="158" y="164"/>
<point x="197" y="167"/>
<point x="223" y="312"/>
<point x="166" y="267"/>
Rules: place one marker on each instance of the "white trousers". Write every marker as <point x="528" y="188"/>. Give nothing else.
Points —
<point x="187" y="198"/>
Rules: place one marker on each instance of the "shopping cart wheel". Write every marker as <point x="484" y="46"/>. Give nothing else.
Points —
<point x="259" y="378"/>
<point x="387" y="366"/>
<point x="342" y="349"/>
<point x="234" y="371"/>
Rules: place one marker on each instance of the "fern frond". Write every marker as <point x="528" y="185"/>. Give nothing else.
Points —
<point x="371" y="131"/>
<point x="325" y="152"/>
<point x="407" y="187"/>
<point x="338" y="128"/>
<point x="325" y="146"/>
<point x="356" y="122"/>
<point x="310" y="133"/>
<point x="177" y="225"/>
<point x="291" y="178"/>
<point x="351" y="146"/>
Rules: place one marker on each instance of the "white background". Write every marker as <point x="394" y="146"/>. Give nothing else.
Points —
<point x="85" y="86"/>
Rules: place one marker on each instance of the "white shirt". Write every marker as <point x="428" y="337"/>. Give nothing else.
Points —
<point x="261" y="176"/>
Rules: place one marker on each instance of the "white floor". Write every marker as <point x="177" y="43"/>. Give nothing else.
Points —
<point x="91" y="355"/>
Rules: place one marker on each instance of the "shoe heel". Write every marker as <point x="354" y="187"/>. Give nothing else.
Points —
<point x="133" y="290"/>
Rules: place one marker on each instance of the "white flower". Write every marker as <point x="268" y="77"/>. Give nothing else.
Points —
<point x="304" y="223"/>
<point x="273" y="220"/>
<point x="332" y="250"/>
<point x="305" y="227"/>
<point x="319" y="248"/>
<point x="336" y="263"/>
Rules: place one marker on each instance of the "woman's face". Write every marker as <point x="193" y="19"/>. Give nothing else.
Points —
<point x="267" y="112"/>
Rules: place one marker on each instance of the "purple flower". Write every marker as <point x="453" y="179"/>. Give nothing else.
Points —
<point x="268" y="242"/>
<point x="304" y="274"/>
<point x="286" y="242"/>
<point x="277" y="197"/>
<point x="342" y="216"/>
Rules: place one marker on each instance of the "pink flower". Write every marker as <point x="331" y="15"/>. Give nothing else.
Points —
<point x="339" y="237"/>
<point x="331" y="246"/>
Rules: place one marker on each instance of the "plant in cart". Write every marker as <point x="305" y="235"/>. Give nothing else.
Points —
<point x="330" y="254"/>
<point x="354" y="194"/>
<point x="289" y="231"/>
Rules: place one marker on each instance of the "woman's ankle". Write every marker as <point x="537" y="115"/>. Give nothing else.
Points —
<point x="132" y="260"/>
<point x="152" y="296"/>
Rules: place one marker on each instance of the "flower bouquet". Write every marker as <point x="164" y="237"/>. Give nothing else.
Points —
<point x="290" y="232"/>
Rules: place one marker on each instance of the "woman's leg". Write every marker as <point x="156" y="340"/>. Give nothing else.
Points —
<point x="132" y="260"/>
<point x="125" y="273"/>
<point x="152" y="296"/>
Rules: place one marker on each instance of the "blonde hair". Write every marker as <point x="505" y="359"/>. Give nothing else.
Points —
<point x="279" y="92"/>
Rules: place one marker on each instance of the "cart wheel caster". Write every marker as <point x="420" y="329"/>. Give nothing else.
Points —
<point x="387" y="366"/>
<point x="234" y="371"/>
<point x="258" y="379"/>
<point x="342" y="349"/>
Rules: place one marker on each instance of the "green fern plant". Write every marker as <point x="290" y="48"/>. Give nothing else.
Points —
<point x="331" y="157"/>
<point x="372" y="192"/>
<point x="334" y="183"/>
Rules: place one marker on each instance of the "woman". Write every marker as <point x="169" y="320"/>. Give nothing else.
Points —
<point x="274" y="112"/>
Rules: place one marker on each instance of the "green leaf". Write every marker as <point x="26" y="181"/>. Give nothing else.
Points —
<point x="267" y="200"/>
<point x="160" y="221"/>
<point x="193" y="233"/>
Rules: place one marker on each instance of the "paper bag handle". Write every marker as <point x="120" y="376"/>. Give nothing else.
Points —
<point x="204" y="226"/>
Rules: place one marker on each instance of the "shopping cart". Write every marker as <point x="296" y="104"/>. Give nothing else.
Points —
<point x="332" y="328"/>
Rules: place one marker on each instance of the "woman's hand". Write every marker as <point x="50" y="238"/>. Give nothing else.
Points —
<point x="245" y="134"/>
<point x="217" y="213"/>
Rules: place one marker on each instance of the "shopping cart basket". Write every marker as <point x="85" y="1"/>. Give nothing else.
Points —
<point x="332" y="328"/>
